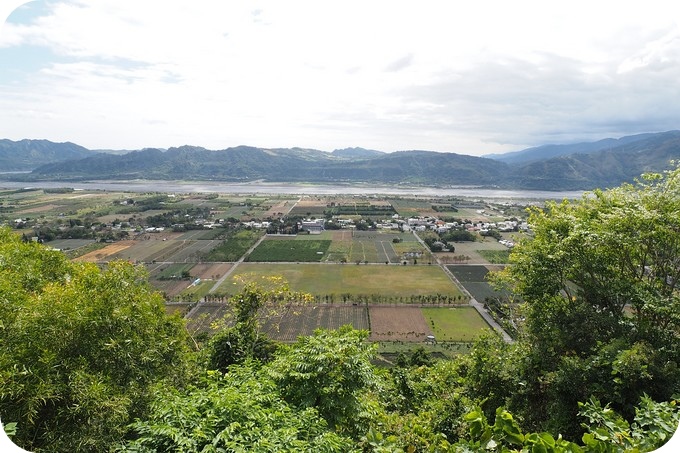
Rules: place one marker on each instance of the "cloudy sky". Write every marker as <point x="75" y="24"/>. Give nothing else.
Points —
<point x="472" y="77"/>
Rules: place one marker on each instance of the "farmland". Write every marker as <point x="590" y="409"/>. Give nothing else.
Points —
<point x="303" y="320"/>
<point x="234" y="247"/>
<point x="398" y="284"/>
<point x="461" y="324"/>
<point x="289" y="250"/>
<point x="398" y="323"/>
<point x="473" y="278"/>
<point x="368" y="273"/>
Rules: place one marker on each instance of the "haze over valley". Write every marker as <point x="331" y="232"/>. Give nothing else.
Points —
<point x="581" y="166"/>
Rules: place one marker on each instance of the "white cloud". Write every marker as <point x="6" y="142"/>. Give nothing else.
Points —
<point x="479" y="78"/>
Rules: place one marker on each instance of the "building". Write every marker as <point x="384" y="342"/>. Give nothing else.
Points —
<point x="315" y="226"/>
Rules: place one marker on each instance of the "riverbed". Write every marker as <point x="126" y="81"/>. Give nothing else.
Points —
<point x="260" y="187"/>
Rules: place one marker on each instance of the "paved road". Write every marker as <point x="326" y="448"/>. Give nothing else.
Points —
<point x="230" y="271"/>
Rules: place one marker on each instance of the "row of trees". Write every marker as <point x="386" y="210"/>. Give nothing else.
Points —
<point x="347" y="298"/>
<point x="90" y="361"/>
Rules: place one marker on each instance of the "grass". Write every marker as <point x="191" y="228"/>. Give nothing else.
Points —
<point x="324" y="279"/>
<point x="195" y="293"/>
<point x="495" y="256"/>
<point x="287" y="250"/>
<point x="455" y="324"/>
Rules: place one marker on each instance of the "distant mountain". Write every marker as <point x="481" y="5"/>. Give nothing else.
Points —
<point x="244" y="163"/>
<point x="549" y="151"/>
<point x="584" y="166"/>
<point x="25" y="155"/>
<point x="600" y="169"/>
<point x="357" y="153"/>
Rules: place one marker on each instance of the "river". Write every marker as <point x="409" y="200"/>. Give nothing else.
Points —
<point x="260" y="187"/>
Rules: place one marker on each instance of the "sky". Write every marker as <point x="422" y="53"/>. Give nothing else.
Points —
<point x="469" y="77"/>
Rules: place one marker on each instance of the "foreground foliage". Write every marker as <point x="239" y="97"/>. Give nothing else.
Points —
<point x="80" y="347"/>
<point x="90" y="362"/>
<point x="600" y="280"/>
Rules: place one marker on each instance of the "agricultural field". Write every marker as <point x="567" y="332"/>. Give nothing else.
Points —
<point x="194" y="292"/>
<point x="374" y="282"/>
<point x="496" y="256"/>
<point x="474" y="251"/>
<point x="203" y="235"/>
<point x="352" y="246"/>
<point x="398" y="324"/>
<point x="205" y="314"/>
<point x="388" y="325"/>
<point x="107" y="253"/>
<point x="286" y="250"/>
<point x="461" y="324"/>
<point x="349" y="279"/>
<point x="172" y="250"/>
<point x="172" y="271"/>
<point x="234" y="247"/>
<point x="70" y="244"/>
<point x="407" y="207"/>
<point x="373" y="209"/>
<point x="173" y="278"/>
<point x="208" y="271"/>
<point x="473" y="278"/>
<point x="303" y="320"/>
<point x="170" y="288"/>
<point x="310" y="207"/>
<point x="279" y="208"/>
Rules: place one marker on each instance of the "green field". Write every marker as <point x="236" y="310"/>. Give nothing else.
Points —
<point x="196" y="292"/>
<point x="392" y="282"/>
<point x="173" y="271"/>
<point x="234" y="247"/>
<point x="456" y="324"/>
<point x="290" y="250"/>
<point x="496" y="256"/>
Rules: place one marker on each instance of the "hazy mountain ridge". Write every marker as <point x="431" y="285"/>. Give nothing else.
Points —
<point x="544" y="152"/>
<point x="605" y="168"/>
<point x="23" y="155"/>
<point x="357" y="153"/>
<point x="605" y="163"/>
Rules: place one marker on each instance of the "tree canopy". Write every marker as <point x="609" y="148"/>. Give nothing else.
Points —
<point x="599" y="278"/>
<point x="80" y="347"/>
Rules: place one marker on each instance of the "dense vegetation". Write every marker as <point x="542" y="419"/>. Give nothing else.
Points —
<point x="90" y="362"/>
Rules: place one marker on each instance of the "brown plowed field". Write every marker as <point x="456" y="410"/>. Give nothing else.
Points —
<point x="47" y="207"/>
<point x="170" y="287"/>
<point x="207" y="271"/>
<point x="102" y="254"/>
<point x="398" y="323"/>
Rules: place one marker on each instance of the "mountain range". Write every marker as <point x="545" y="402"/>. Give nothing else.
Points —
<point x="580" y="166"/>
